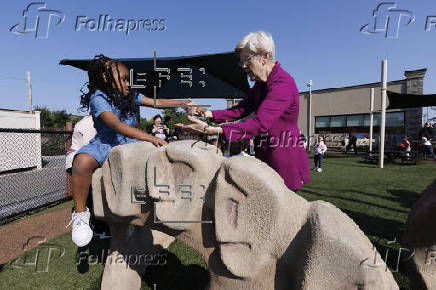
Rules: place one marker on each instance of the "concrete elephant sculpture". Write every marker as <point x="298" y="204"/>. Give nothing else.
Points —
<point x="420" y="238"/>
<point x="253" y="232"/>
<point x="115" y="186"/>
<point x="268" y="237"/>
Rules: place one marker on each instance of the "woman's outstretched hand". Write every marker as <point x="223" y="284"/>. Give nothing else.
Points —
<point x="197" y="126"/>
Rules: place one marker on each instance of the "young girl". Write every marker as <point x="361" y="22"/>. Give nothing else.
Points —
<point x="405" y="145"/>
<point x="113" y="107"/>
<point x="319" y="149"/>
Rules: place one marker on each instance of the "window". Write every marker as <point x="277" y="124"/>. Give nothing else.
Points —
<point x="322" y="122"/>
<point x="337" y="121"/>
<point x="355" y="121"/>
<point x="359" y="123"/>
<point x="366" y="121"/>
<point x="395" y="119"/>
<point x="376" y="120"/>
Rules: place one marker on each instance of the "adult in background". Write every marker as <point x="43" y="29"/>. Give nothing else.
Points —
<point x="159" y="130"/>
<point x="428" y="148"/>
<point x="275" y="101"/>
<point x="427" y="131"/>
<point x="352" y="144"/>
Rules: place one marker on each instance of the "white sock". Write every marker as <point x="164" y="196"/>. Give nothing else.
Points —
<point x="79" y="214"/>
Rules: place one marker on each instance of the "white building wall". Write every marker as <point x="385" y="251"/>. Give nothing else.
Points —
<point x="19" y="150"/>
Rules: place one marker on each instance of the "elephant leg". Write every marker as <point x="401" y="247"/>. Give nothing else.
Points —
<point x="118" y="275"/>
<point x="162" y="239"/>
<point x="127" y="261"/>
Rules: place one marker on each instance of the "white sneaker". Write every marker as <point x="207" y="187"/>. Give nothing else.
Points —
<point x="81" y="233"/>
<point x="319" y="169"/>
<point x="315" y="169"/>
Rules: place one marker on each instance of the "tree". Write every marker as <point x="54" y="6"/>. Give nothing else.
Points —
<point x="174" y="116"/>
<point x="45" y="117"/>
<point x="145" y="124"/>
<point x="55" y="119"/>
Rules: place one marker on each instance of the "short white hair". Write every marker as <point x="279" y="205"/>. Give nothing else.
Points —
<point x="258" y="42"/>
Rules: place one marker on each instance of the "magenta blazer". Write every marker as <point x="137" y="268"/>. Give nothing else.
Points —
<point x="274" y="126"/>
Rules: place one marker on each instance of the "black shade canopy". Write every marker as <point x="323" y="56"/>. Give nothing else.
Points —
<point x="202" y="76"/>
<point x="401" y="101"/>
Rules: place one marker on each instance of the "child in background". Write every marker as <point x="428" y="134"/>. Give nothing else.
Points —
<point x="405" y="145"/>
<point x="319" y="149"/>
<point x="428" y="148"/>
<point x="236" y="149"/>
<point x="114" y="108"/>
<point x="83" y="132"/>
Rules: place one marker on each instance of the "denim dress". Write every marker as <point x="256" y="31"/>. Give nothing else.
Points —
<point x="106" y="138"/>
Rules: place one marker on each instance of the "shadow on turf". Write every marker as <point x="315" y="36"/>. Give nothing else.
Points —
<point x="375" y="226"/>
<point x="176" y="276"/>
<point x="173" y="275"/>
<point x="97" y="248"/>
<point x="361" y="163"/>
<point x="355" y="200"/>
<point x="390" y="198"/>
<point x="406" y="197"/>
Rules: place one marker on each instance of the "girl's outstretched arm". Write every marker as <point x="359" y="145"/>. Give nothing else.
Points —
<point x="112" y="121"/>
<point x="150" y="102"/>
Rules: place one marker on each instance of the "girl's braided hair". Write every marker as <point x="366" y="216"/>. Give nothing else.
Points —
<point x="104" y="65"/>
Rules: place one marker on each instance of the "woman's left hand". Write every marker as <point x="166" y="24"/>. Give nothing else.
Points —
<point x="198" y="126"/>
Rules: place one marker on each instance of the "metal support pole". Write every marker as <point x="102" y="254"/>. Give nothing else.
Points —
<point x="29" y="90"/>
<point x="384" y="77"/>
<point x="371" y="119"/>
<point x="309" y="115"/>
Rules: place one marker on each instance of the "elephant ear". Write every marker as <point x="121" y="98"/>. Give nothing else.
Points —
<point x="178" y="176"/>
<point x="250" y="198"/>
<point x="123" y="176"/>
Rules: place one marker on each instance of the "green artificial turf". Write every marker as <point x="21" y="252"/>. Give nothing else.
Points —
<point x="378" y="200"/>
<point x="180" y="267"/>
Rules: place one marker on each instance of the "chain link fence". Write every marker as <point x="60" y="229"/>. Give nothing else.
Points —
<point x="32" y="170"/>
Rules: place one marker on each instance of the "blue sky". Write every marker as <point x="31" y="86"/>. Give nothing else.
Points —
<point x="318" y="40"/>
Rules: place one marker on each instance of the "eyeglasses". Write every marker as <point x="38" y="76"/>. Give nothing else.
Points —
<point x="247" y="59"/>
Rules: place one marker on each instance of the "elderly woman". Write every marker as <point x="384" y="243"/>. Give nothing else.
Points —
<point x="274" y="100"/>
